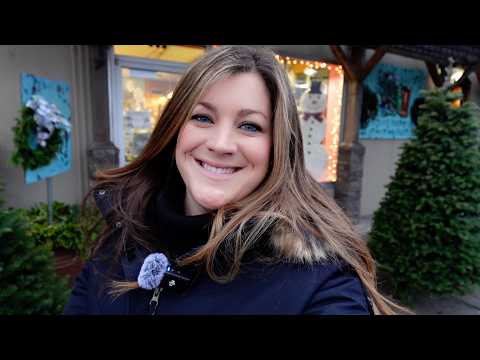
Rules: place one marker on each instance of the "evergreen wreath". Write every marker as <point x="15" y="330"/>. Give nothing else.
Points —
<point x="38" y="134"/>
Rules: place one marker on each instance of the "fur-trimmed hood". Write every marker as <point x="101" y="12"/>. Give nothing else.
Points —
<point x="306" y="249"/>
<point x="285" y="244"/>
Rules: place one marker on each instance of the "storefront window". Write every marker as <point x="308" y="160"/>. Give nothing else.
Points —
<point x="318" y="89"/>
<point x="145" y="94"/>
<point x="147" y="76"/>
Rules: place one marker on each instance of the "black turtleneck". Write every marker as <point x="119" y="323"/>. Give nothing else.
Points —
<point x="174" y="232"/>
<point x="177" y="234"/>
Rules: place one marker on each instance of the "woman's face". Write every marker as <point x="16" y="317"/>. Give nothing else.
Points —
<point x="223" y="151"/>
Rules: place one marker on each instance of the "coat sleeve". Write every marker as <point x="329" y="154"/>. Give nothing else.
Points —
<point x="78" y="303"/>
<point x="341" y="293"/>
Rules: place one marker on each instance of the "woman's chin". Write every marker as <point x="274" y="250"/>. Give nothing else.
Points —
<point x="212" y="202"/>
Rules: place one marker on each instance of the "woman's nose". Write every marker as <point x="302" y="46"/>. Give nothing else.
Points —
<point x="222" y="141"/>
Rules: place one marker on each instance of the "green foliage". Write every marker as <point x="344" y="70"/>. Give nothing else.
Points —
<point x="24" y="155"/>
<point x="70" y="229"/>
<point x="426" y="232"/>
<point x="28" y="283"/>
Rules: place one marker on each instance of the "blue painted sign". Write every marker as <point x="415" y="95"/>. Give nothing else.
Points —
<point x="58" y="93"/>
<point x="388" y="95"/>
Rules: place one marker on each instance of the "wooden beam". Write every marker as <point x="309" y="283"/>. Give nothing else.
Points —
<point x="436" y="77"/>
<point x="376" y="57"/>
<point x="342" y="59"/>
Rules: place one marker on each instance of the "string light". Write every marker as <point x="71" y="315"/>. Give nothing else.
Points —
<point x="335" y="132"/>
<point x="334" y="119"/>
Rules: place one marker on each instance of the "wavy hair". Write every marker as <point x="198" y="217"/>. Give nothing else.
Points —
<point x="303" y="223"/>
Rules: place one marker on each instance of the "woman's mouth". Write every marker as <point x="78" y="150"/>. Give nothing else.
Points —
<point x="216" y="169"/>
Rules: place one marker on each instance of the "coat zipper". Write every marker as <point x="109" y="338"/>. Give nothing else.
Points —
<point x="154" y="300"/>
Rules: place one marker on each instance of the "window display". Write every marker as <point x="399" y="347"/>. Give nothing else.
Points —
<point x="318" y="90"/>
<point x="145" y="94"/>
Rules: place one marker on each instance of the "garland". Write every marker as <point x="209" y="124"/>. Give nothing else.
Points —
<point x="38" y="134"/>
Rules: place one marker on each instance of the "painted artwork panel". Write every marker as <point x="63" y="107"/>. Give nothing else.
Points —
<point x="58" y="93"/>
<point x="389" y="95"/>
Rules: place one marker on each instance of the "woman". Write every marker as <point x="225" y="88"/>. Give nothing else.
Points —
<point x="220" y="199"/>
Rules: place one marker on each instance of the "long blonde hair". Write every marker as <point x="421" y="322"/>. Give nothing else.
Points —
<point x="305" y="225"/>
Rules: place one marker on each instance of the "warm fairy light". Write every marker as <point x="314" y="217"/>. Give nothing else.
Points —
<point x="335" y="130"/>
<point x="334" y="108"/>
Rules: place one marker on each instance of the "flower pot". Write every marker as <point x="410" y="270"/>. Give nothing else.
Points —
<point x="68" y="264"/>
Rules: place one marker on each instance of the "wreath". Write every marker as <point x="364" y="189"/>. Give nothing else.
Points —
<point x="38" y="134"/>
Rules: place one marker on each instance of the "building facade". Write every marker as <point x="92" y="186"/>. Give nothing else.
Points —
<point x="118" y="92"/>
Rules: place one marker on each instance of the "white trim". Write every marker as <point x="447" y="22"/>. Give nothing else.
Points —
<point x="152" y="65"/>
<point x="116" y="97"/>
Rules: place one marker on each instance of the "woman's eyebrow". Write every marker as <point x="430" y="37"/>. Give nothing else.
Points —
<point x="209" y="106"/>
<point x="242" y="112"/>
<point x="245" y="112"/>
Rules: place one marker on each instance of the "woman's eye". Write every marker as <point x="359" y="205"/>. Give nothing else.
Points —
<point x="251" y="127"/>
<point x="201" y="118"/>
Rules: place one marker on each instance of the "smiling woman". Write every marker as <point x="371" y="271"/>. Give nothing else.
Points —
<point x="223" y="152"/>
<point x="218" y="215"/>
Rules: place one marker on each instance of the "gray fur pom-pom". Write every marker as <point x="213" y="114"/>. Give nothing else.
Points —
<point x="153" y="269"/>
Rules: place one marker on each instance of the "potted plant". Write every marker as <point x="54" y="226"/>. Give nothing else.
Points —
<point x="69" y="235"/>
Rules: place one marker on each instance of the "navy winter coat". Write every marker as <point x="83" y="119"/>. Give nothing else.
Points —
<point x="274" y="289"/>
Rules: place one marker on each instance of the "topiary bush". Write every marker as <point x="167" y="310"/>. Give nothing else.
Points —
<point x="426" y="233"/>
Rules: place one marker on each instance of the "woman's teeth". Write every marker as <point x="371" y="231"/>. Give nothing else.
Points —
<point x="216" y="170"/>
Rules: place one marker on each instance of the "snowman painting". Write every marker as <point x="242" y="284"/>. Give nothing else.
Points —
<point x="313" y="124"/>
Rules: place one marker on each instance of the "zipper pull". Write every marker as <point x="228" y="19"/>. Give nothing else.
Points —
<point x="154" y="300"/>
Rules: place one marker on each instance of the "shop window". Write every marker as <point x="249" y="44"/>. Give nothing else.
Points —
<point x="143" y="80"/>
<point x="145" y="95"/>
<point x="318" y="90"/>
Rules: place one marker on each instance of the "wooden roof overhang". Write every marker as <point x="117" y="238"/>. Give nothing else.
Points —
<point x="436" y="58"/>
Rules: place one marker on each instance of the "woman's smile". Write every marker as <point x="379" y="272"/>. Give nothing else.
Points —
<point x="217" y="171"/>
